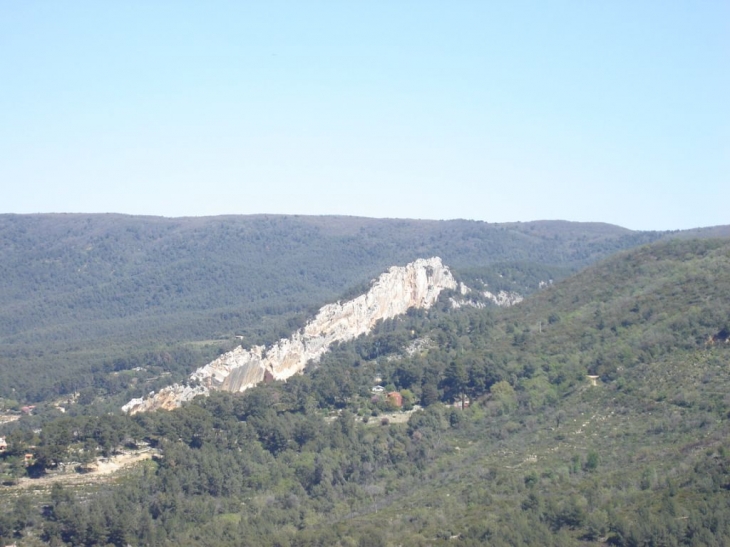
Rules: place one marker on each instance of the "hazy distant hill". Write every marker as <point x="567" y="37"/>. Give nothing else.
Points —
<point x="79" y="290"/>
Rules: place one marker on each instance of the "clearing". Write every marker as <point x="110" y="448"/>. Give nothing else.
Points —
<point x="102" y="470"/>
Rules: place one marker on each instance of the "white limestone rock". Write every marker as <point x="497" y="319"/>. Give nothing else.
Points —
<point x="416" y="285"/>
<point x="167" y="398"/>
<point x="504" y="298"/>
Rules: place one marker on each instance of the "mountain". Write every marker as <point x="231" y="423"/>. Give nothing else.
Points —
<point x="84" y="298"/>
<point x="416" y="285"/>
<point x="594" y="412"/>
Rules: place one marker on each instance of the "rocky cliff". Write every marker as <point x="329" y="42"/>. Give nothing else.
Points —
<point x="416" y="285"/>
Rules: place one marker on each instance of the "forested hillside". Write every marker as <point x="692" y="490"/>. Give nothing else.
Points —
<point x="595" y="412"/>
<point x="86" y="296"/>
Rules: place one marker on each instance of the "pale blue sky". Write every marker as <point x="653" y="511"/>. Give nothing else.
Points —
<point x="498" y="111"/>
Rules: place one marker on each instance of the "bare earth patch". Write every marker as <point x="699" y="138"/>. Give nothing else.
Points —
<point x="398" y="417"/>
<point x="7" y="418"/>
<point x="103" y="470"/>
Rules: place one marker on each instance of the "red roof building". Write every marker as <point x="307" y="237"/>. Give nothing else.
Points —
<point x="395" y="398"/>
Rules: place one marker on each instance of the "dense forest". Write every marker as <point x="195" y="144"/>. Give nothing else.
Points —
<point x="594" y="412"/>
<point x="88" y="296"/>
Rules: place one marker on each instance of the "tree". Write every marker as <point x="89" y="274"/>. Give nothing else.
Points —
<point x="455" y="381"/>
<point x="408" y="399"/>
<point x="481" y="377"/>
<point x="591" y="461"/>
<point x="504" y="394"/>
<point x="429" y="394"/>
<point x="24" y="513"/>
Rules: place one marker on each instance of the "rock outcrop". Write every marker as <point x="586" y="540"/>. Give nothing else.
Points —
<point x="504" y="298"/>
<point x="416" y="285"/>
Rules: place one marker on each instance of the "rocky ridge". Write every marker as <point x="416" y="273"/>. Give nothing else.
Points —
<point x="416" y="285"/>
<point x="503" y="299"/>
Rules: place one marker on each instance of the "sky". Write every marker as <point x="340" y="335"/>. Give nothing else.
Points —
<point x="603" y="111"/>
